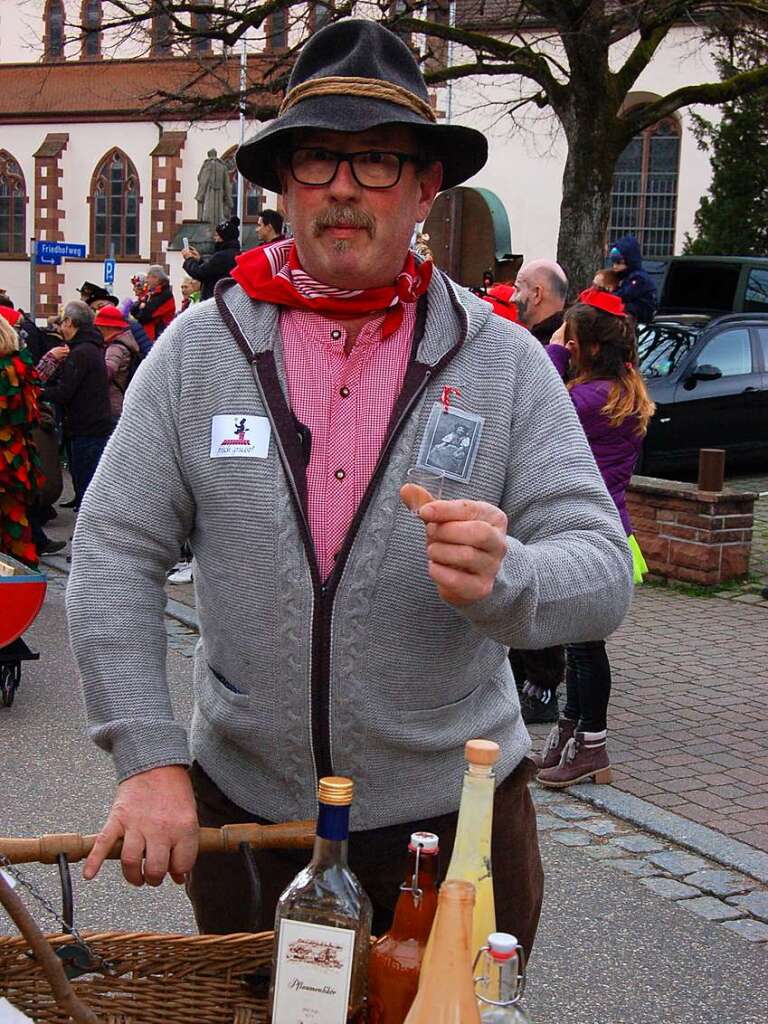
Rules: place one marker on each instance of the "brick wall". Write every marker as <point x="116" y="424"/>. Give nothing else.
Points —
<point x="689" y="535"/>
<point x="49" y="216"/>
<point x="166" y="206"/>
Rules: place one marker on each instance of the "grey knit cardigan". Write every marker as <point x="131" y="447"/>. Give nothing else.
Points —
<point x="399" y="679"/>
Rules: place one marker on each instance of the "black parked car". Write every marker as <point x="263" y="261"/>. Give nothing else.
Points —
<point x="709" y="379"/>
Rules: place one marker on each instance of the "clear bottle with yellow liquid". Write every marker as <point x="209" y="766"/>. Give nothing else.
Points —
<point x="471" y="858"/>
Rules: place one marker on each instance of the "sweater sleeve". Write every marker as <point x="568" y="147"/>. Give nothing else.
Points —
<point x="567" y="574"/>
<point x="137" y="513"/>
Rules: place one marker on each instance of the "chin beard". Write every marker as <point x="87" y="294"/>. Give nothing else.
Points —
<point x="341" y="245"/>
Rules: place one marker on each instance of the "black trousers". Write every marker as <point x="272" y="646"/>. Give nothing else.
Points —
<point x="588" y="685"/>
<point x="222" y="894"/>
<point x="544" y="668"/>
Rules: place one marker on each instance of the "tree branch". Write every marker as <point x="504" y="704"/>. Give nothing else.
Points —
<point x="708" y="94"/>
<point x="638" y="60"/>
<point x="520" y="60"/>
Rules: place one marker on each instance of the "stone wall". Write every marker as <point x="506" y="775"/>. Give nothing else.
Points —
<point x="694" y="536"/>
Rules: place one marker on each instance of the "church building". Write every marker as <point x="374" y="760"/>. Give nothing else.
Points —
<point x="90" y="156"/>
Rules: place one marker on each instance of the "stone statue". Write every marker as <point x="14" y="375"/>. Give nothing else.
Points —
<point x="214" y="196"/>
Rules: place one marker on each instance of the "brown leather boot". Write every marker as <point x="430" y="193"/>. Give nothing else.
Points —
<point x="579" y="761"/>
<point x="553" y="745"/>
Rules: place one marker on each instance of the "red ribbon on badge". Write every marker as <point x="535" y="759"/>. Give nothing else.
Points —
<point x="445" y="398"/>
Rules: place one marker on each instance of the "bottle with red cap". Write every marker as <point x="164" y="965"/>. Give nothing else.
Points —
<point x="395" y="960"/>
<point x="500" y="980"/>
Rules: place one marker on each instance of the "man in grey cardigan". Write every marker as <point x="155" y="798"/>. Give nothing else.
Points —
<point x="339" y="633"/>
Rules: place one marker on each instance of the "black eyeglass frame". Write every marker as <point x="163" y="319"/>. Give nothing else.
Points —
<point x="349" y="158"/>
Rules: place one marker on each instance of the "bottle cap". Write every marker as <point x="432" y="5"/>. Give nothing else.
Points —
<point x="503" y="945"/>
<point x="335" y="790"/>
<point x="484" y="752"/>
<point x="427" y="841"/>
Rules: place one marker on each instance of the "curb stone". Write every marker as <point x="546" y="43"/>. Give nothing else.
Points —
<point x="654" y="863"/>
<point x="697" y="838"/>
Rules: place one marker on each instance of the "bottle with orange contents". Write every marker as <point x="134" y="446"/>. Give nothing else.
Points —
<point x="395" y="961"/>
<point x="446" y="989"/>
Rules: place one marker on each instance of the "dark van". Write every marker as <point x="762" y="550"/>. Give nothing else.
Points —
<point x="714" y="284"/>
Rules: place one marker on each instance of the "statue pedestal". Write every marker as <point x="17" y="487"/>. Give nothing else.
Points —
<point x="199" y="234"/>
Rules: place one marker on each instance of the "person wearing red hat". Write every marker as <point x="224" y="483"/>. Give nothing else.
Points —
<point x="10" y="314"/>
<point x="121" y="354"/>
<point x="501" y="298"/>
<point x="595" y="352"/>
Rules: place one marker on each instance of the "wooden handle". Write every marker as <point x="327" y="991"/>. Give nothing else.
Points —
<point x="45" y="849"/>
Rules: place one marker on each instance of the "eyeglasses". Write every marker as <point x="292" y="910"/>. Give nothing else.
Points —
<point x="372" y="168"/>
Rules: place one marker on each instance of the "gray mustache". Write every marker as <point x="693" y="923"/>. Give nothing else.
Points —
<point x="344" y="217"/>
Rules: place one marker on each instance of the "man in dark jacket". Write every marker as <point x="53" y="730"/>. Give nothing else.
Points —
<point x="541" y="289"/>
<point x="636" y="288"/>
<point x="269" y="227"/>
<point x="158" y="307"/>
<point x="81" y="389"/>
<point x="210" y="269"/>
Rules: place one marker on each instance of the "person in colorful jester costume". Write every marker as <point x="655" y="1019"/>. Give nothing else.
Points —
<point x="20" y="476"/>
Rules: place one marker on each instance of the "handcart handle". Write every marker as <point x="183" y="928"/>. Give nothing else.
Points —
<point x="46" y="849"/>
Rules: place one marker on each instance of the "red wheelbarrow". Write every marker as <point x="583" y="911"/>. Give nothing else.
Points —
<point x="22" y="592"/>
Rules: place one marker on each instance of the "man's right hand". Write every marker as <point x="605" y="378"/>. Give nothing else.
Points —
<point x="155" y="815"/>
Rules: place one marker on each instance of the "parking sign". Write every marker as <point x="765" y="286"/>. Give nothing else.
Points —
<point x="109" y="271"/>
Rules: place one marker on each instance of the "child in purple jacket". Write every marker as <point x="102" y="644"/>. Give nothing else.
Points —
<point x="595" y="352"/>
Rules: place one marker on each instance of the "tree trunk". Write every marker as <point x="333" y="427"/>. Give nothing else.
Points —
<point x="586" y="205"/>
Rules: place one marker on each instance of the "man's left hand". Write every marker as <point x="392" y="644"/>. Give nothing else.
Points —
<point x="190" y="253"/>
<point x="466" y="544"/>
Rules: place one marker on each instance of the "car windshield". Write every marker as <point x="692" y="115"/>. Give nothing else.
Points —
<point x="662" y="347"/>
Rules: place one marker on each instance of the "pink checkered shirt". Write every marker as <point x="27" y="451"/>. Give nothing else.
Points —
<point x="346" y="402"/>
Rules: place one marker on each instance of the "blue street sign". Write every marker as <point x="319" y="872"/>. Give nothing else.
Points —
<point x="51" y="261"/>
<point x="109" y="271"/>
<point x="68" y="250"/>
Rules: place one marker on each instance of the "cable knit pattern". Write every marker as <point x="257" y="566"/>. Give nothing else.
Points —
<point x="411" y="678"/>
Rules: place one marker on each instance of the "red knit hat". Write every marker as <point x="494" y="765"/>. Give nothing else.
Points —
<point x="500" y="297"/>
<point x="606" y="301"/>
<point x="11" y="315"/>
<point x="110" y="316"/>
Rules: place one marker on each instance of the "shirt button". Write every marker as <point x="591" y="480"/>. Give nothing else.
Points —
<point x="335" y="335"/>
<point x="344" y="392"/>
<point x="339" y="474"/>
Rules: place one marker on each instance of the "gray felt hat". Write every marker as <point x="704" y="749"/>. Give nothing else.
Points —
<point x="351" y="76"/>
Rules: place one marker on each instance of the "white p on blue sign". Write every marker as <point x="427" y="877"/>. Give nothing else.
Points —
<point x="109" y="271"/>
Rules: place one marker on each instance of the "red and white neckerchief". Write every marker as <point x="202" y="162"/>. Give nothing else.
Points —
<point x="273" y="273"/>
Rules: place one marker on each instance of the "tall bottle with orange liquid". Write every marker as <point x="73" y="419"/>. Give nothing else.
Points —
<point x="446" y="988"/>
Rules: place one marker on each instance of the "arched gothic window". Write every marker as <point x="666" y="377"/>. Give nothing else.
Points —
<point x="644" y="197"/>
<point x="200" y="42"/>
<point x="320" y="14"/>
<point x="13" y="206"/>
<point x="115" y="207"/>
<point x="90" y="19"/>
<point x="277" y="30"/>
<point x="254" y="194"/>
<point x="54" y="30"/>
<point x="161" y="34"/>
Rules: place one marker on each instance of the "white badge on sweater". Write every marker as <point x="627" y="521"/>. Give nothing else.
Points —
<point x="240" y="437"/>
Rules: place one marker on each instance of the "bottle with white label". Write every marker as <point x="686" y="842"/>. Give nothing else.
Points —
<point x="323" y="927"/>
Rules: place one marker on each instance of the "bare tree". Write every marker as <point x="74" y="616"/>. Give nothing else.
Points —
<point x="558" y="50"/>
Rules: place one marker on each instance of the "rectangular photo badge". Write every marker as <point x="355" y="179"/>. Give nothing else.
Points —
<point x="450" y="442"/>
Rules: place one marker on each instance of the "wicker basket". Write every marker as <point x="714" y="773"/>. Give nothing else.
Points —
<point x="155" y="979"/>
